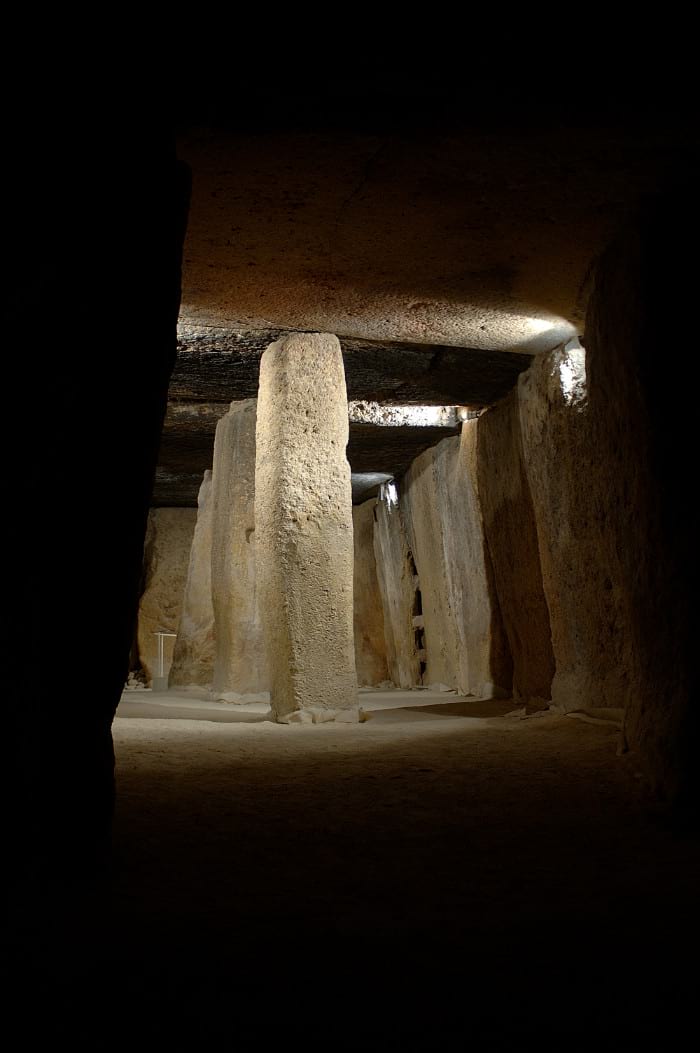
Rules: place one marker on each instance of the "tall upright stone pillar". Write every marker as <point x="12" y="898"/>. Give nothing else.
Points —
<point x="304" y="551"/>
<point x="240" y="666"/>
<point x="193" y="657"/>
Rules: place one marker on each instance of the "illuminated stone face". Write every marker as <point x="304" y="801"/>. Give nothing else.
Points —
<point x="303" y="512"/>
<point x="571" y="363"/>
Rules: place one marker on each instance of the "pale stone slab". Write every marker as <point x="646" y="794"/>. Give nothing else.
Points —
<point x="240" y="665"/>
<point x="193" y="657"/>
<point x="304" y="550"/>
<point x="370" y="644"/>
<point x="464" y="640"/>
<point x="571" y="487"/>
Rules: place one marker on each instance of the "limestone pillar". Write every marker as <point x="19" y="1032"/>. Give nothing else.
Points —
<point x="304" y="550"/>
<point x="240" y="666"/>
<point x="193" y="657"/>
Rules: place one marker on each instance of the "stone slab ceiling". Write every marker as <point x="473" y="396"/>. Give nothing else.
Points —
<point x="442" y="256"/>
<point x="461" y="236"/>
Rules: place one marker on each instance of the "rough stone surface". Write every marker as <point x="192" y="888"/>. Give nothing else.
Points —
<point x="370" y="645"/>
<point x="166" y="558"/>
<point x="193" y="656"/>
<point x="399" y="591"/>
<point x="644" y="432"/>
<point x="409" y="236"/>
<point x="464" y="639"/>
<point x="574" y="490"/>
<point x="511" y="534"/>
<point x="304" y="551"/>
<point x="240" y="665"/>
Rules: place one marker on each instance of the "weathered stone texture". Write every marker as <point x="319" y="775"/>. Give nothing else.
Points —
<point x="464" y="639"/>
<point x="398" y="589"/>
<point x="193" y="657"/>
<point x="166" y="558"/>
<point x="511" y="534"/>
<point x="574" y="489"/>
<point x="240" y="665"/>
<point x="304" y="551"/>
<point x="643" y="430"/>
<point x="370" y="645"/>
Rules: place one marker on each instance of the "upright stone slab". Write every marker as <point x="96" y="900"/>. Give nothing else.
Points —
<point x="465" y="643"/>
<point x="399" y="591"/>
<point x="575" y="493"/>
<point x="511" y="535"/>
<point x="240" y="665"/>
<point x="370" y="645"/>
<point x="424" y="518"/>
<point x="471" y="586"/>
<point x="166" y="556"/>
<point x="304" y="551"/>
<point x="193" y="657"/>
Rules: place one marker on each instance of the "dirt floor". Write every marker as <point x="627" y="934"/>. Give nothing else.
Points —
<point x="439" y="876"/>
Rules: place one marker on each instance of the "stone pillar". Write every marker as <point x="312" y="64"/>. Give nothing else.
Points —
<point x="370" y="645"/>
<point x="193" y="657"/>
<point x="166" y="555"/>
<point x="399" y="591"/>
<point x="240" y="665"/>
<point x="304" y="552"/>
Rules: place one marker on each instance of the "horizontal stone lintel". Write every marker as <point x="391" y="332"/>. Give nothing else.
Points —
<point x="219" y="365"/>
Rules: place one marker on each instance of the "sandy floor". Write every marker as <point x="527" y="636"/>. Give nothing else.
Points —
<point x="441" y="875"/>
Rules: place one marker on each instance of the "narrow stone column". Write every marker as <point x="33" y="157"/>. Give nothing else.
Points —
<point x="240" y="666"/>
<point x="304" y="548"/>
<point x="193" y="657"/>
